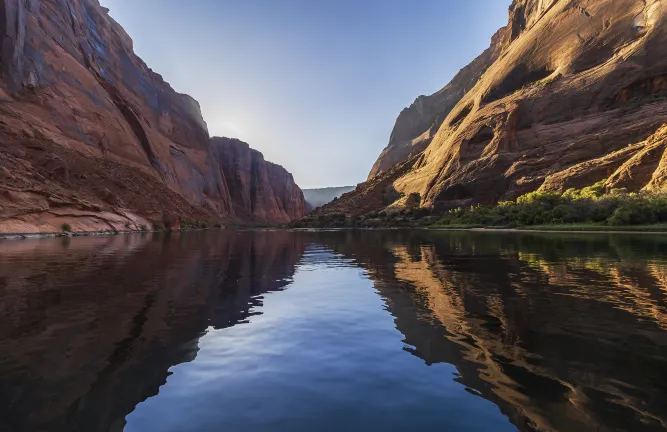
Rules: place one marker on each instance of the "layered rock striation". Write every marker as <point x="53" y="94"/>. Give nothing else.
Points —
<point x="91" y="136"/>
<point x="416" y="125"/>
<point x="570" y="93"/>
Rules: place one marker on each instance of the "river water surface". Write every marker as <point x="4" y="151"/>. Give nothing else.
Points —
<point x="330" y="331"/>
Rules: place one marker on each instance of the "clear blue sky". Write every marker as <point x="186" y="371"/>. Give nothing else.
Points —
<point x="315" y="85"/>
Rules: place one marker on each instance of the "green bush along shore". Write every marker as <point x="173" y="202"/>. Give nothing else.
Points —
<point x="590" y="208"/>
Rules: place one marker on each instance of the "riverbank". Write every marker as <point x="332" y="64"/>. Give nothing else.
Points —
<point x="91" y="233"/>
<point x="660" y="229"/>
<point x="571" y="229"/>
<point x="28" y="236"/>
<point x="591" y="209"/>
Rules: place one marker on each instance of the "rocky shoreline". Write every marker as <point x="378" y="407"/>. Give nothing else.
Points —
<point x="30" y="236"/>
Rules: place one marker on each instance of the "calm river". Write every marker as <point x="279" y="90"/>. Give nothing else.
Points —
<point x="332" y="331"/>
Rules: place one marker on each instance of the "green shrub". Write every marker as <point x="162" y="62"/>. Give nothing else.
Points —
<point x="588" y="205"/>
<point x="142" y="227"/>
<point x="634" y="213"/>
<point x="297" y="224"/>
<point x="66" y="227"/>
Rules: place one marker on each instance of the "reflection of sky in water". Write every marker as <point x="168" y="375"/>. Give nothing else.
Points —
<point x="349" y="330"/>
<point x="323" y="355"/>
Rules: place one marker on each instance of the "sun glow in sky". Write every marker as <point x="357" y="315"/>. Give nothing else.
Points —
<point x="315" y="85"/>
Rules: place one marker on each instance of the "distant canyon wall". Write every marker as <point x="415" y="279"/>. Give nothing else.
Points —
<point x="319" y="197"/>
<point x="91" y="136"/>
<point x="260" y="191"/>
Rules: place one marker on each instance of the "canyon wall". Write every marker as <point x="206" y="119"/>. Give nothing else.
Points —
<point x="416" y="125"/>
<point x="319" y="197"/>
<point x="261" y="191"/>
<point x="89" y="135"/>
<point x="569" y="94"/>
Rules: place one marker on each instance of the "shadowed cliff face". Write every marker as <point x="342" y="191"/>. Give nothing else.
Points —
<point x="261" y="191"/>
<point x="88" y="132"/>
<point x="569" y="93"/>
<point x="91" y="348"/>
<point x="561" y="332"/>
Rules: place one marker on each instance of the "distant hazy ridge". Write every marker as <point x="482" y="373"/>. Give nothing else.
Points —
<point x="319" y="197"/>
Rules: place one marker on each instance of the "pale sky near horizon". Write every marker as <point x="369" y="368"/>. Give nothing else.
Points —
<point x="315" y="85"/>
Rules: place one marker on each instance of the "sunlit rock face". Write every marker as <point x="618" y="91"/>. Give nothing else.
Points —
<point x="417" y="125"/>
<point x="89" y="130"/>
<point x="568" y="94"/>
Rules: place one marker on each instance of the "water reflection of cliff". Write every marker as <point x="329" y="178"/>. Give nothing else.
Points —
<point x="563" y="333"/>
<point x="91" y="327"/>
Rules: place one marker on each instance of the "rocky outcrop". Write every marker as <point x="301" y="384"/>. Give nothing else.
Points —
<point x="575" y="87"/>
<point x="89" y="134"/>
<point x="261" y="191"/>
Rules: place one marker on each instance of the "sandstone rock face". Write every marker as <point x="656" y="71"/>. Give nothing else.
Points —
<point x="416" y="125"/>
<point x="87" y="129"/>
<point x="261" y="191"/>
<point x="575" y="90"/>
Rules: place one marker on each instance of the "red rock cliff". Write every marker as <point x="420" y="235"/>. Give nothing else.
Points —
<point x="261" y="191"/>
<point x="572" y="92"/>
<point x="89" y="135"/>
<point x="416" y="125"/>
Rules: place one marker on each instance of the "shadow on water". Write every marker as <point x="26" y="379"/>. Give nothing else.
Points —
<point x="91" y="327"/>
<point x="562" y="332"/>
